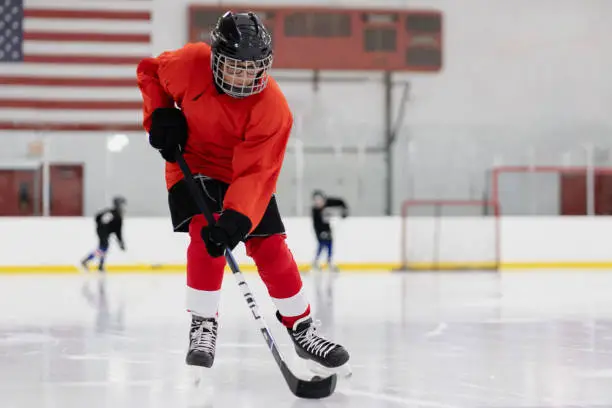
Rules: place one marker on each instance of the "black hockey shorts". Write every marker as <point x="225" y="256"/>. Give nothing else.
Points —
<point x="183" y="207"/>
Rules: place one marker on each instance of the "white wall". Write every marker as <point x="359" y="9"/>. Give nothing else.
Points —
<point x="503" y="59"/>
<point x="517" y="62"/>
<point x="522" y="79"/>
<point x="361" y="242"/>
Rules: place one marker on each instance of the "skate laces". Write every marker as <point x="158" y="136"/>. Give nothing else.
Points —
<point x="204" y="337"/>
<point x="312" y="342"/>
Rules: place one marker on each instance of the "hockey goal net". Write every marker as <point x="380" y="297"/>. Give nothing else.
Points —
<point x="450" y="235"/>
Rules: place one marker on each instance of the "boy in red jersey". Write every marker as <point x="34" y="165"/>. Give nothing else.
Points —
<point x="233" y="126"/>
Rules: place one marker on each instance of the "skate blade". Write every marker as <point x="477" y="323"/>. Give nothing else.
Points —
<point x="199" y="377"/>
<point x="344" y="370"/>
<point x="200" y="389"/>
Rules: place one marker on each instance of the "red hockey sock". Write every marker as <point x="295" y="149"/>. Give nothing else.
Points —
<point x="204" y="273"/>
<point x="280" y="274"/>
<point x="289" y="321"/>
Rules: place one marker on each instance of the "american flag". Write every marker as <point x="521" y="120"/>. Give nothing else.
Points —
<point x="71" y="65"/>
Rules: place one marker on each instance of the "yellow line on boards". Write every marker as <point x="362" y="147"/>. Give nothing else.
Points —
<point x="343" y="267"/>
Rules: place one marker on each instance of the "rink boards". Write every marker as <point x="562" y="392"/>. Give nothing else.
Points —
<point x="55" y="245"/>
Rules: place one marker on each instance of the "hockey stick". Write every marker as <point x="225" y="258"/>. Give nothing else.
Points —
<point x="316" y="387"/>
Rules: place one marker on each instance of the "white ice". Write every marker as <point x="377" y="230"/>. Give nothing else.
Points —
<point x="426" y="339"/>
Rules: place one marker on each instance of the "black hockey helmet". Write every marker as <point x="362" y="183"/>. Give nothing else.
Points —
<point x="241" y="54"/>
<point x="318" y="193"/>
<point x="119" y="201"/>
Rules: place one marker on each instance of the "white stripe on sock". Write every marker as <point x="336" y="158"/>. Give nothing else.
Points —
<point x="203" y="303"/>
<point x="293" y="306"/>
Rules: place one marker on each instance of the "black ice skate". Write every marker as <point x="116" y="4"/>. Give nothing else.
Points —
<point x="202" y="341"/>
<point x="329" y="357"/>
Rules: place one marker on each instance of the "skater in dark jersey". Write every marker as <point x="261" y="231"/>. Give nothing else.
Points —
<point x="322" y="209"/>
<point x="109" y="221"/>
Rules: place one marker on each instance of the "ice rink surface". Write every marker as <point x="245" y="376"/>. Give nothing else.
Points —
<point x="426" y="339"/>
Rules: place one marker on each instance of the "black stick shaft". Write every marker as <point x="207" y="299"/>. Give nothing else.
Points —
<point x="196" y="193"/>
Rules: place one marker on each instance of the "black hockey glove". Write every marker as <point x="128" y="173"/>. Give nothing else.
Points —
<point x="168" y="131"/>
<point x="231" y="228"/>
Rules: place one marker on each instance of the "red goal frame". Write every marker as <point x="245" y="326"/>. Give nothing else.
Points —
<point x="492" y="204"/>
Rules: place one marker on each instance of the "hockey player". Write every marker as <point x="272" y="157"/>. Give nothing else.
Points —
<point x="233" y="126"/>
<point x="321" y="206"/>
<point x="108" y="221"/>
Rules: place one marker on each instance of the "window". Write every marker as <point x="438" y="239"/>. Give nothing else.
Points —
<point x="296" y="25"/>
<point x="424" y="23"/>
<point x="202" y="22"/>
<point x="265" y="16"/>
<point x="380" y="18"/>
<point x="380" y="39"/>
<point x="205" y="19"/>
<point x="25" y="199"/>
<point x="424" y="57"/>
<point x="323" y="25"/>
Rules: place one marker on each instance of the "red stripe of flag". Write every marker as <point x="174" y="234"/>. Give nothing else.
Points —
<point x="87" y="14"/>
<point x="85" y="37"/>
<point x="82" y="59"/>
<point x="58" y="81"/>
<point x="72" y="127"/>
<point x="73" y="105"/>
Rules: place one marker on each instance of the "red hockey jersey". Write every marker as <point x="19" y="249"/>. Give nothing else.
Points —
<point x="239" y="141"/>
